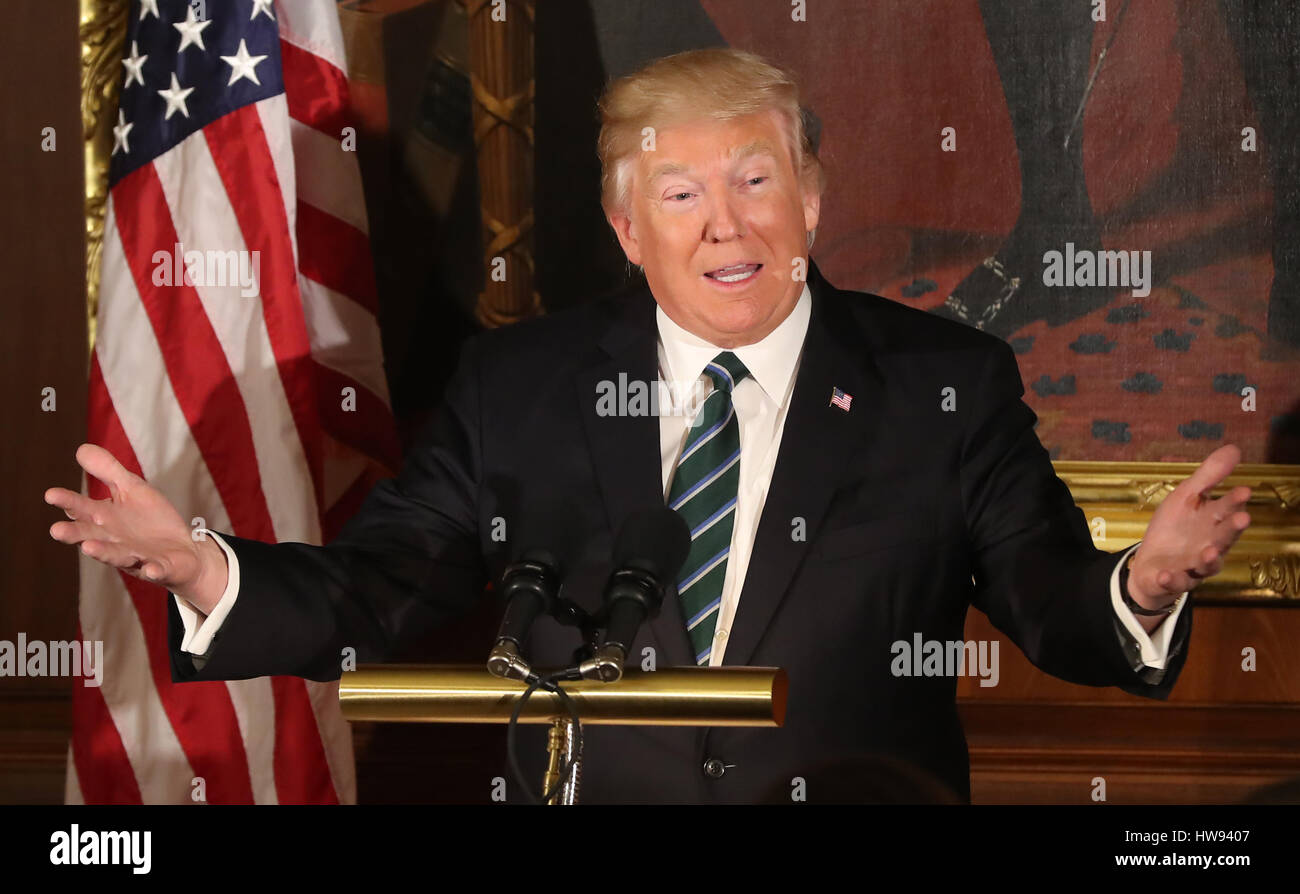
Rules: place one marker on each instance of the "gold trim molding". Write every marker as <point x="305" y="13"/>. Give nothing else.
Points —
<point x="102" y="31"/>
<point x="1118" y="500"/>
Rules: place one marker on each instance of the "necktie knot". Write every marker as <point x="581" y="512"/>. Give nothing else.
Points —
<point x="726" y="371"/>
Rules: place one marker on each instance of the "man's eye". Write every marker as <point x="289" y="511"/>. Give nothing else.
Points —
<point x="680" y="195"/>
<point x="755" y="180"/>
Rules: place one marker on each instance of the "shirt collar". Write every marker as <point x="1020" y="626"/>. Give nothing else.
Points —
<point x="771" y="362"/>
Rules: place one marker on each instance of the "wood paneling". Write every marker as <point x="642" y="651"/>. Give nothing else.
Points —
<point x="42" y="345"/>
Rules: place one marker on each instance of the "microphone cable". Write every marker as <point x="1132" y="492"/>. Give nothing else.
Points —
<point x="550" y="684"/>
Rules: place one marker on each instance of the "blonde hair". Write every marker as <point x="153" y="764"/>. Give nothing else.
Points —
<point x="718" y="83"/>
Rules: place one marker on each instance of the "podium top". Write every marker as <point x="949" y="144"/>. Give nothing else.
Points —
<point x="673" y="696"/>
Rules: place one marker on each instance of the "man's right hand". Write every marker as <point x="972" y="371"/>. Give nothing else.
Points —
<point x="137" y="530"/>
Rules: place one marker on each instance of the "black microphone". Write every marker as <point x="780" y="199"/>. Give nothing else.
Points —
<point x="648" y="554"/>
<point x="530" y="584"/>
<point x="529" y="587"/>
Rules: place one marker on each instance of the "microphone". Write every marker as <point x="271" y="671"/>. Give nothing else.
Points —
<point x="530" y="585"/>
<point x="648" y="554"/>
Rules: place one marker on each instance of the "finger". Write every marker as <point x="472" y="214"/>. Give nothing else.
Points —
<point x="1227" y="531"/>
<point x="101" y="464"/>
<point x="74" y="504"/>
<point x="73" y="532"/>
<point x="111" y="554"/>
<point x="1233" y="500"/>
<point x="1208" y="563"/>
<point x="1216" y="467"/>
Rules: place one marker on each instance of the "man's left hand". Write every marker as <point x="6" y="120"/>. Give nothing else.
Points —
<point x="1189" y="533"/>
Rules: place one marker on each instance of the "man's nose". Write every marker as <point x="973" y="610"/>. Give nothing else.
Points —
<point x="723" y="223"/>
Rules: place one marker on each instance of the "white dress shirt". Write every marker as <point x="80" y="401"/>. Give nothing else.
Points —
<point x="761" y="401"/>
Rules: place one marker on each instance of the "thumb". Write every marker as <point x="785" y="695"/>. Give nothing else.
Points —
<point x="101" y="464"/>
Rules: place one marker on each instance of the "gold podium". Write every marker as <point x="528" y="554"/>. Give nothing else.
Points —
<point x="674" y="696"/>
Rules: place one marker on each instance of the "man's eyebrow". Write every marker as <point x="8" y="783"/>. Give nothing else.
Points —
<point x="758" y="147"/>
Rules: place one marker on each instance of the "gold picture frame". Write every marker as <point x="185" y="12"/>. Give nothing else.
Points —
<point x="1118" y="498"/>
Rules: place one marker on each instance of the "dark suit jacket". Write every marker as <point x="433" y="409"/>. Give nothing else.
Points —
<point x="913" y="512"/>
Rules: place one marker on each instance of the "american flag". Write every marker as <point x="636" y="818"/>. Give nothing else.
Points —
<point x="237" y="306"/>
<point x="840" y="399"/>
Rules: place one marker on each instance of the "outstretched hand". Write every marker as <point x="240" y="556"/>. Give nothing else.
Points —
<point x="1189" y="533"/>
<point x="137" y="530"/>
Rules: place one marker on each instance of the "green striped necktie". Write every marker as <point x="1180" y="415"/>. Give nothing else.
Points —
<point x="703" y="492"/>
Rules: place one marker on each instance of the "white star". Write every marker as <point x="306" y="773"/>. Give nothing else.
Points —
<point x="262" y="6"/>
<point x="243" y="65"/>
<point x="175" y="97"/>
<point x="120" y="133"/>
<point x="134" y="66"/>
<point x="191" y="31"/>
<point x="149" y="6"/>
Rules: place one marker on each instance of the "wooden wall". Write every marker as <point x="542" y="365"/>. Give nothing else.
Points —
<point x="1223" y="733"/>
<point x="42" y="345"/>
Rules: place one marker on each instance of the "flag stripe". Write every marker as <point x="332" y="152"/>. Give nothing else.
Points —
<point x="104" y="772"/>
<point x="329" y="249"/>
<point x="328" y="175"/>
<point x="320" y="100"/>
<point x="358" y="428"/>
<point x="344" y="337"/>
<point x="240" y="149"/>
<point x="302" y="774"/>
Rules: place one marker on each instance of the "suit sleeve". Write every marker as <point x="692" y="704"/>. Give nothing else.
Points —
<point x="1038" y="576"/>
<point x="408" y="560"/>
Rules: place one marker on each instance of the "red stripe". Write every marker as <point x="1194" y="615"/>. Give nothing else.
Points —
<point x="243" y="160"/>
<point x="201" y="714"/>
<point x="302" y="774"/>
<point x="337" y="255"/>
<point x="316" y="91"/>
<point x="195" y="361"/>
<point x="104" y="771"/>
<point x="368" y="428"/>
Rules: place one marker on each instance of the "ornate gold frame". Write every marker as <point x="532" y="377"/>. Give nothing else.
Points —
<point x="102" y="32"/>
<point x="1264" y="566"/>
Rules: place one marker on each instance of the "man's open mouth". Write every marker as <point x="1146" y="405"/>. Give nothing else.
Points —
<point x="734" y="273"/>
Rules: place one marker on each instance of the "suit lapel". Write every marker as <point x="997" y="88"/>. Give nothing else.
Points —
<point x="624" y="448"/>
<point x="816" y="443"/>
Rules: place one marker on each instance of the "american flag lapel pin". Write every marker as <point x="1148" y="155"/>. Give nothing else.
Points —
<point x="841" y="399"/>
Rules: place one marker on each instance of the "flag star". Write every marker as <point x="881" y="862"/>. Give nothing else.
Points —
<point x="120" y="134"/>
<point x="149" y="6"/>
<point x="175" y="97"/>
<point x="191" y="31"/>
<point x="134" y="66"/>
<point x="242" y="65"/>
<point x="262" y="6"/>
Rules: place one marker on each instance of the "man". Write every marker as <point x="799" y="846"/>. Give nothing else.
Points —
<point x="858" y="473"/>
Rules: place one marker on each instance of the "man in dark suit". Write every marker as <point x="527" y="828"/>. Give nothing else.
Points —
<point x="854" y="473"/>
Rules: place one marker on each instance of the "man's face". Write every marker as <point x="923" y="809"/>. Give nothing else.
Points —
<point x="716" y="216"/>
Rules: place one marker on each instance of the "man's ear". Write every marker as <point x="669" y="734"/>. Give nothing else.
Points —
<point x="812" y="208"/>
<point x="623" y="229"/>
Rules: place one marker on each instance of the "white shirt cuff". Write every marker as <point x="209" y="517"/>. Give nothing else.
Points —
<point x="1155" y="653"/>
<point x="200" y="628"/>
